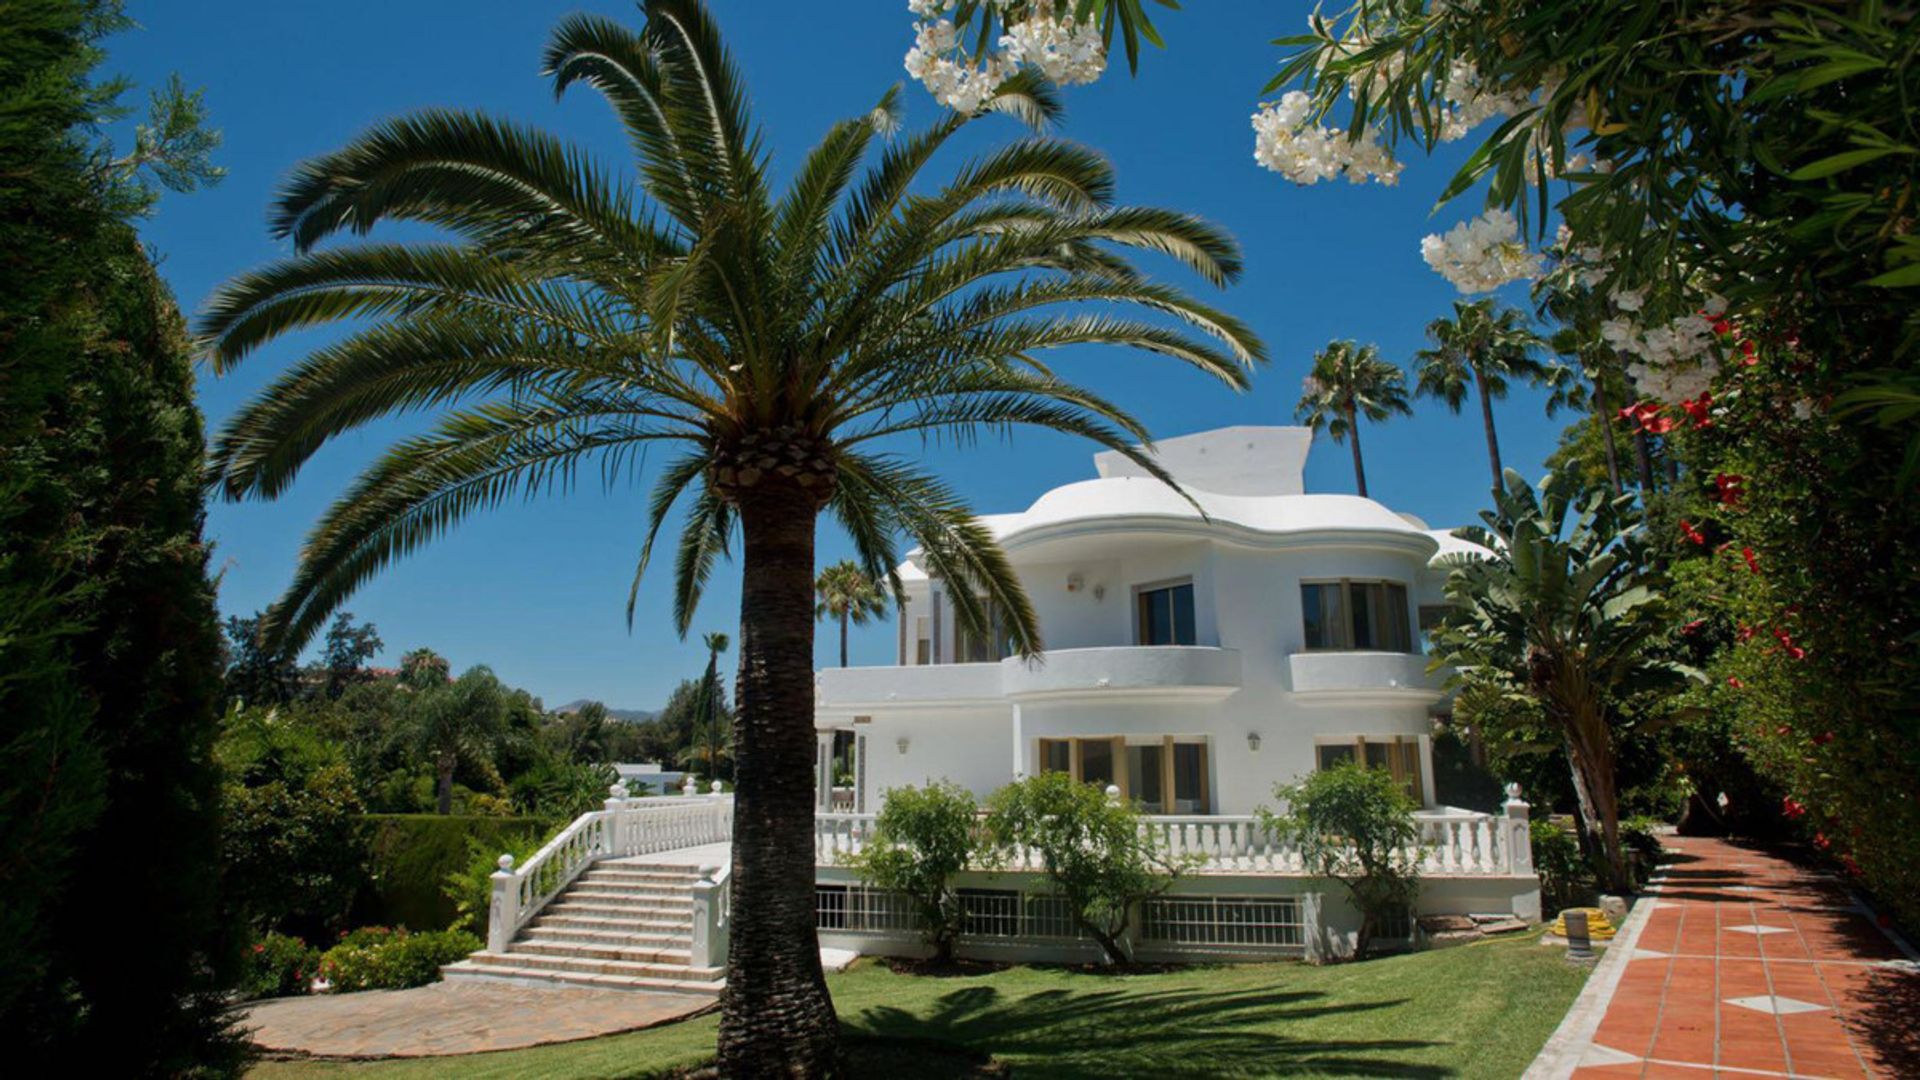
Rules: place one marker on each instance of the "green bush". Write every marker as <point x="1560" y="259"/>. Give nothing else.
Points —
<point x="1355" y="825"/>
<point x="410" y="857"/>
<point x="470" y="888"/>
<point x="1096" y="856"/>
<point x="922" y="839"/>
<point x="279" y="965"/>
<point x="1565" y="878"/>
<point x="379" y="958"/>
<point x="1641" y="835"/>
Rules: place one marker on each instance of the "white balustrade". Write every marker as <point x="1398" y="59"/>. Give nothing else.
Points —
<point x="1452" y="843"/>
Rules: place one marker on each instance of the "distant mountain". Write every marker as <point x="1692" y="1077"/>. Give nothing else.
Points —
<point x="629" y="716"/>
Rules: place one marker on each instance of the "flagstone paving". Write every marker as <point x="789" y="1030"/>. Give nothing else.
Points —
<point x="1748" y="966"/>
<point x="462" y="1017"/>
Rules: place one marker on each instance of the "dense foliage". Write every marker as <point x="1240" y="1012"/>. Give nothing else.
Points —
<point x="922" y="839"/>
<point x="109" y="691"/>
<point x="1354" y="825"/>
<point x="383" y="958"/>
<point x="1096" y="856"/>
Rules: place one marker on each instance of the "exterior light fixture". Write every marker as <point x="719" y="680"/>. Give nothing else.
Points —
<point x="902" y="742"/>
<point x="1253" y="741"/>
<point x="1075" y="582"/>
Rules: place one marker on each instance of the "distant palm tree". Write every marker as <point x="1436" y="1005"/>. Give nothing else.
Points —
<point x="791" y="343"/>
<point x="454" y="722"/>
<point x="847" y="594"/>
<point x="716" y="643"/>
<point x="1482" y="346"/>
<point x="1351" y="382"/>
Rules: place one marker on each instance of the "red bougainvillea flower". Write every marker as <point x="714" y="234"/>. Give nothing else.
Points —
<point x="1734" y="681"/>
<point x="1700" y="409"/>
<point x="1791" y="808"/>
<point x="1753" y="561"/>
<point x="1823" y="738"/>
<point x="1783" y="730"/>
<point x="1747" y="349"/>
<point x="1658" y="425"/>
<point x="1691" y="533"/>
<point x="1744" y="634"/>
<point x="1786" y="643"/>
<point x="1820" y="841"/>
<point x="1693" y="626"/>
<point x="1851" y="867"/>
<point x="1732" y="488"/>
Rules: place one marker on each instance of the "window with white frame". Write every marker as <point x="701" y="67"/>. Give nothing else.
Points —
<point x="1355" y="615"/>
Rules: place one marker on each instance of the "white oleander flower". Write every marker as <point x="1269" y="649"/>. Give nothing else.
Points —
<point x="1482" y="254"/>
<point x="1288" y="142"/>
<point x="1065" y="51"/>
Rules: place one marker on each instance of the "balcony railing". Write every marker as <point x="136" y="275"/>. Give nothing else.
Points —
<point x="1453" y="843"/>
<point x="1190" y="670"/>
<point x="1351" y="673"/>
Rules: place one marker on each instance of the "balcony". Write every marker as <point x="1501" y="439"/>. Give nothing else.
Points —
<point x="1175" y="670"/>
<point x="1161" y="670"/>
<point x="1350" y="676"/>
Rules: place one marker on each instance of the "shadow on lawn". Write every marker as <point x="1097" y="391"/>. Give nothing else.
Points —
<point x="1111" y="1032"/>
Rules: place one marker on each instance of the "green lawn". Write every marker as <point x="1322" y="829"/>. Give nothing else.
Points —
<point x="1480" y="1010"/>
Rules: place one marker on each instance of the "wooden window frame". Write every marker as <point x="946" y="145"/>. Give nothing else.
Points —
<point x="1346" y="584"/>
<point x="1408" y="770"/>
<point x="1139" y="629"/>
<point x="1121" y="774"/>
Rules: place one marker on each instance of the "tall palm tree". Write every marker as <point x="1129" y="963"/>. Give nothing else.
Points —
<point x="1482" y="346"/>
<point x="1579" y="309"/>
<point x="847" y="594"/>
<point x="791" y="343"/>
<point x="1564" y="607"/>
<point x="1350" y="382"/>
<point x="716" y="643"/>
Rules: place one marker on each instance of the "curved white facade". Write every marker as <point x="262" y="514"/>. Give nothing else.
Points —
<point x="1200" y="650"/>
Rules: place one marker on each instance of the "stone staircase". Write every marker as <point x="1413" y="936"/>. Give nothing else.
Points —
<point x="623" y="924"/>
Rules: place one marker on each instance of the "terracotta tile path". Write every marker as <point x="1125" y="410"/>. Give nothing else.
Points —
<point x="1748" y="966"/>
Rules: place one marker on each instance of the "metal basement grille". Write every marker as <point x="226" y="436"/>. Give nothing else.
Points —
<point x="1223" y="920"/>
<point x="987" y="913"/>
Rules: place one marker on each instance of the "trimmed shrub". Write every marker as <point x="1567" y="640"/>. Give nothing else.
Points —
<point x="412" y="855"/>
<point x="922" y="839"/>
<point x="279" y="965"/>
<point x="1355" y="825"/>
<point x="1565" y="878"/>
<point x="381" y="958"/>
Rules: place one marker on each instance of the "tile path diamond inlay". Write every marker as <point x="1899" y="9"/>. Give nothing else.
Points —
<point x="1749" y="966"/>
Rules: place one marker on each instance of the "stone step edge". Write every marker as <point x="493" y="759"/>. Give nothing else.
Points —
<point x="466" y="970"/>
<point x="589" y="966"/>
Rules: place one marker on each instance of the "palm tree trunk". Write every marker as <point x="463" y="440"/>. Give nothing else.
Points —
<point x="1353" y="436"/>
<point x="1486" y="418"/>
<point x="777" y="1019"/>
<point x="1603" y="415"/>
<point x="843" y="639"/>
<point x="443" y="786"/>
<point x="1643" y="450"/>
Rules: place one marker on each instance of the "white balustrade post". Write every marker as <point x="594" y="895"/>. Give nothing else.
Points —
<point x="612" y="842"/>
<point x="706" y="918"/>
<point x="690" y="786"/>
<point x="503" y="911"/>
<point x="1518" y="856"/>
<point x="1312" y="933"/>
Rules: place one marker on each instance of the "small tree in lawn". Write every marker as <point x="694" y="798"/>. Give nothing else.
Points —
<point x="1355" y="825"/>
<point x="1096" y="856"/>
<point x="923" y="838"/>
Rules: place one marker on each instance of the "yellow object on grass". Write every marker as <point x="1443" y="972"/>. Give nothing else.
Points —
<point x="1599" y="927"/>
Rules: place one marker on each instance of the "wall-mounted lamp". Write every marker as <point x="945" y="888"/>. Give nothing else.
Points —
<point x="1099" y="592"/>
<point x="1075" y="582"/>
<point x="902" y="742"/>
<point x="1253" y="741"/>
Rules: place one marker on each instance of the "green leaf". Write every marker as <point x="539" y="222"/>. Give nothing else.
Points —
<point x="1897" y="278"/>
<point x="1839" y="163"/>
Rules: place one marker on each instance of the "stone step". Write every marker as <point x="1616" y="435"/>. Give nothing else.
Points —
<point x="500" y="968"/>
<point x="584" y="965"/>
<point x="678" y="954"/>
<point x="645" y="930"/>
<point x="624" y="894"/>
<point x="667" y="875"/>
<point x="617" y="924"/>
<point x="662" y="906"/>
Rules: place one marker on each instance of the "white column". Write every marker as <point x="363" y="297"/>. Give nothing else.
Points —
<point x="1019" y="744"/>
<point x="823" y="772"/>
<point x="1432" y="797"/>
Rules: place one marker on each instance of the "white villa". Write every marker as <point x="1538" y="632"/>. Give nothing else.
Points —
<point x="1196" y="657"/>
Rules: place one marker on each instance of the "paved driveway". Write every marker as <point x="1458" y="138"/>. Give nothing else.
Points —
<point x="461" y="1017"/>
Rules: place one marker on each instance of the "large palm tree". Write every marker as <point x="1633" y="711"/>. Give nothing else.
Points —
<point x="1563" y="607"/>
<point x="454" y="722"/>
<point x="1351" y="382"/>
<point x="847" y="595"/>
<point x="1484" y="347"/>
<point x="791" y="343"/>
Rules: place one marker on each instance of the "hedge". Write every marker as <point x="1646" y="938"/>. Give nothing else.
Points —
<point x="410" y="855"/>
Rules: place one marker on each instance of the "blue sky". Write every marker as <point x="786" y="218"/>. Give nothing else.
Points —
<point x="538" y="590"/>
